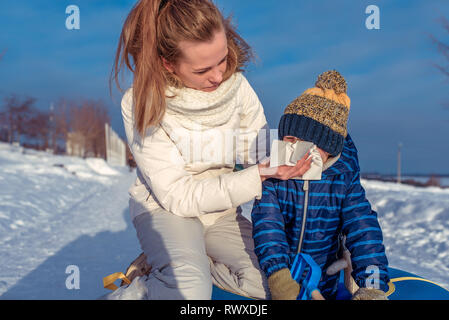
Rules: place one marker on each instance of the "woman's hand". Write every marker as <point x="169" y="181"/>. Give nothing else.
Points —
<point x="285" y="172"/>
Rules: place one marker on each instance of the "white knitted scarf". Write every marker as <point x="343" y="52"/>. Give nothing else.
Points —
<point x="198" y="110"/>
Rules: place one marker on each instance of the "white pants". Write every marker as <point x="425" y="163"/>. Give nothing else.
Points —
<point x="187" y="256"/>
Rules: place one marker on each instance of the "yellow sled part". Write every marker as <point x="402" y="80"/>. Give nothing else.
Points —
<point x="108" y="281"/>
<point x="392" y="288"/>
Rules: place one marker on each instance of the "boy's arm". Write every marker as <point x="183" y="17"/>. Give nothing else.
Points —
<point x="270" y="241"/>
<point x="364" y="238"/>
<point x="271" y="245"/>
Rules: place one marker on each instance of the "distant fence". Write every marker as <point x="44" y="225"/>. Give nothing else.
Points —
<point x="115" y="148"/>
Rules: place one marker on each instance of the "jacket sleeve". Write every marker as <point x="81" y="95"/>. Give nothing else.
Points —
<point x="254" y="132"/>
<point x="364" y="238"/>
<point x="270" y="240"/>
<point x="163" y="169"/>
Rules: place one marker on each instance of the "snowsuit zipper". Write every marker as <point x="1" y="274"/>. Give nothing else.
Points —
<point x="305" y="187"/>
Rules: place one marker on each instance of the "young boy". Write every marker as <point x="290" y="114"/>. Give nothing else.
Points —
<point x="311" y="216"/>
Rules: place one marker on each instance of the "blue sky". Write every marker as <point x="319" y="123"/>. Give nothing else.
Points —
<point x="396" y="93"/>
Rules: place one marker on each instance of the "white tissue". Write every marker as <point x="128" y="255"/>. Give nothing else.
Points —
<point x="287" y="153"/>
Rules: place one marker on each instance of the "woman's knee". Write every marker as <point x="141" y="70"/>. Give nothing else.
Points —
<point x="175" y="250"/>
<point x="188" y="279"/>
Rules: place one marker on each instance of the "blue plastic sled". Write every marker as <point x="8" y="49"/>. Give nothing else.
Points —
<point x="402" y="286"/>
<point x="304" y="264"/>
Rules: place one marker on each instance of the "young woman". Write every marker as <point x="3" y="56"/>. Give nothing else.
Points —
<point x="188" y="95"/>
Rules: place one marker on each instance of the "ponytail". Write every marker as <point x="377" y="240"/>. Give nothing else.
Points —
<point x="153" y="29"/>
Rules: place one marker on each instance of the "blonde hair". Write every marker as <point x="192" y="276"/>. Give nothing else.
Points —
<point x="152" y="30"/>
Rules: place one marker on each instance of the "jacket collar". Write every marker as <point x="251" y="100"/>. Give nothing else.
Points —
<point x="347" y="160"/>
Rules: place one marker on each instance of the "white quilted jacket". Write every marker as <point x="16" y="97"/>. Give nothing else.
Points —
<point x="185" y="164"/>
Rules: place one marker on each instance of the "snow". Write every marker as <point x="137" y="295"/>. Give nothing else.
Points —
<point x="57" y="211"/>
<point x="61" y="211"/>
<point x="415" y="225"/>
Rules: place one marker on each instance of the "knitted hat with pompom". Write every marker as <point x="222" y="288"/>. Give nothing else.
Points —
<point x="320" y="114"/>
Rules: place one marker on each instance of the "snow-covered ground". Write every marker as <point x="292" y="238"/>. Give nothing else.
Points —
<point x="59" y="211"/>
<point x="415" y="224"/>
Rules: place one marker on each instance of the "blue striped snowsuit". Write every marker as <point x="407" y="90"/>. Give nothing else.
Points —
<point x="336" y="205"/>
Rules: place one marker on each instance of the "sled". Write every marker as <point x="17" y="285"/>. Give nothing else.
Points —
<point x="307" y="273"/>
<point x="403" y="285"/>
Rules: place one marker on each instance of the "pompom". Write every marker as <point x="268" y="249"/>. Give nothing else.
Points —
<point x="332" y="80"/>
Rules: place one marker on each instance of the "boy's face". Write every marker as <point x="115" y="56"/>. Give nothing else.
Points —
<point x="324" y="155"/>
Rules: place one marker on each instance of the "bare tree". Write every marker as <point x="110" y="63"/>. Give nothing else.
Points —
<point x="442" y="48"/>
<point x="16" y="115"/>
<point x="4" y="136"/>
<point x="61" y="122"/>
<point x="20" y="119"/>
<point x="81" y="125"/>
<point x="38" y="127"/>
<point x="86" y="127"/>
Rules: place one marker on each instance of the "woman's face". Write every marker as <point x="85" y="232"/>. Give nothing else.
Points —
<point x="202" y="64"/>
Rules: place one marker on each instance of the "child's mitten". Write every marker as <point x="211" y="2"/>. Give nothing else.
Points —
<point x="369" y="294"/>
<point x="283" y="286"/>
